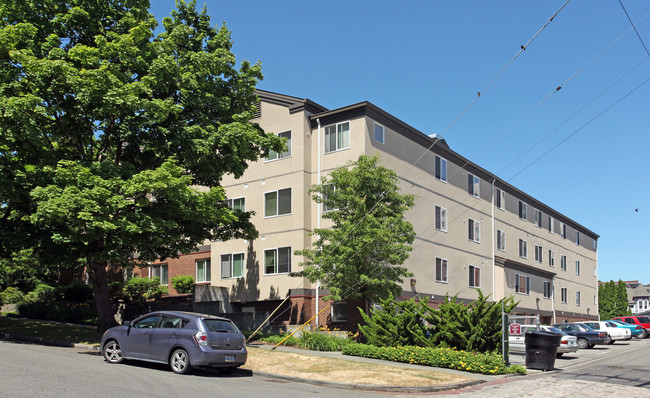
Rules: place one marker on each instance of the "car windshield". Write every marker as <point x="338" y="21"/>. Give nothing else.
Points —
<point x="554" y="330"/>
<point x="221" y="326"/>
<point x="583" y="328"/>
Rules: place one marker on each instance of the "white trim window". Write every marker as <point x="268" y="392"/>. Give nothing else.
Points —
<point x="563" y="262"/>
<point x="538" y="253"/>
<point x="563" y="230"/>
<point x="277" y="203"/>
<point x="277" y="261"/>
<point x="474" y="230"/>
<point x="328" y="189"/>
<point x="379" y="133"/>
<point x="237" y="203"/>
<point x="578" y="238"/>
<point x="551" y="223"/>
<point x="547" y="289"/>
<point x="501" y="240"/>
<point x="202" y="267"/>
<point x="523" y="210"/>
<point x="337" y="137"/>
<point x="232" y="265"/>
<point x="501" y="199"/>
<point x="441" y="218"/>
<point x="474" y="276"/>
<point x="577" y="267"/>
<point x="551" y="258"/>
<point x="440" y="168"/>
<point x="273" y="155"/>
<point x="538" y="218"/>
<point x="523" y="248"/>
<point x="441" y="270"/>
<point x="564" y="295"/>
<point x="339" y="312"/>
<point x="578" y="298"/>
<point x="522" y="284"/>
<point x="473" y="185"/>
<point x="160" y="271"/>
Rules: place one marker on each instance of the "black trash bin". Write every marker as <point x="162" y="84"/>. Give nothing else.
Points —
<point x="541" y="348"/>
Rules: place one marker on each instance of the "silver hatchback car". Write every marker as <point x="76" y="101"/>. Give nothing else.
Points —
<point x="182" y="339"/>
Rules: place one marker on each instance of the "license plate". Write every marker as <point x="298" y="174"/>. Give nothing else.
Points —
<point x="230" y="358"/>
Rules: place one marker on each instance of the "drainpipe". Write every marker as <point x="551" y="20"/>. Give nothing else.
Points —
<point x="320" y="209"/>
<point x="494" y="263"/>
<point x="553" y="298"/>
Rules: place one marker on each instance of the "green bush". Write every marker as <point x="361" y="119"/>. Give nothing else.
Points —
<point x="142" y="289"/>
<point x="322" y="341"/>
<point x="42" y="293"/>
<point x="12" y="295"/>
<point x="62" y="312"/>
<point x="78" y="292"/>
<point x="277" y="338"/>
<point x="438" y="357"/>
<point x="183" y="284"/>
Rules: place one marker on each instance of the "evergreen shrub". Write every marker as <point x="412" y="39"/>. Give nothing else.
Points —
<point x="183" y="284"/>
<point x="142" y="289"/>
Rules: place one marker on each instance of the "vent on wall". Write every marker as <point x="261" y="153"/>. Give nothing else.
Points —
<point x="258" y="110"/>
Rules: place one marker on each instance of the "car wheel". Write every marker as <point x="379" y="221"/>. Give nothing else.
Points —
<point x="559" y="354"/>
<point x="113" y="352"/>
<point x="180" y="362"/>
<point x="583" y="343"/>
<point x="643" y="335"/>
<point x="608" y="340"/>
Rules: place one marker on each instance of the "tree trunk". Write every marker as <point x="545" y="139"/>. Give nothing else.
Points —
<point x="98" y="276"/>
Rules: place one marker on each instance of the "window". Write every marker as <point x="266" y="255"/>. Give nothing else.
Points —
<point x="441" y="270"/>
<point x="337" y="137"/>
<point x="474" y="276"/>
<point x="339" y="312"/>
<point x="277" y="203"/>
<point x="441" y="168"/>
<point x="379" y="133"/>
<point x="564" y="295"/>
<point x="523" y="210"/>
<point x="273" y="155"/>
<point x="578" y="238"/>
<point x="551" y="258"/>
<point x="577" y="267"/>
<point x="328" y="190"/>
<point x="523" y="248"/>
<point x="563" y="230"/>
<point x="538" y="218"/>
<point x="501" y="240"/>
<point x="501" y="199"/>
<point x="593" y="243"/>
<point x="595" y="271"/>
<point x="538" y="253"/>
<point x="522" y="284"/>
<point x="550" y="224"/>
<point x="159" y="271"/>
<point x="203" y="270"/>
<point x="473" y="184"/>
<point x="237" y="204"/>
<point x="441" y="218"/>
<point x="563" y="263"/>
<point x="277" y="261"/>
<point x="578" y="298"/>
<point x="232" y="265"/>
<point x="474" y="230"/>
<point x="547" y="289"/>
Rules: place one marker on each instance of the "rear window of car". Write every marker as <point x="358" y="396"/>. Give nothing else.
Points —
<point x="220" y="326"/>
<point x="643" y="319"/>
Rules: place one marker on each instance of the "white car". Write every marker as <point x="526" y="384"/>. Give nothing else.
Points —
<point x="614" y="332"/>
<point x="517" y="343"/>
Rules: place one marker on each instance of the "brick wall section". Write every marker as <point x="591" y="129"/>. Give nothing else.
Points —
<point x="303" y="308"/>
<point x="184" y="265"/>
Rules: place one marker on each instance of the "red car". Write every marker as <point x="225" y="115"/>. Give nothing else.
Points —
<point x="642" y="321"/>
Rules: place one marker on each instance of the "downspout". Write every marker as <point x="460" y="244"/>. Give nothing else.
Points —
<point x="553" y="298"/>
<point x="494" y="263"/>
<point x="320" y="208"/>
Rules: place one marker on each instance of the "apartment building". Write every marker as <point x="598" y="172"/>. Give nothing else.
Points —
<point x="473" y="229"/>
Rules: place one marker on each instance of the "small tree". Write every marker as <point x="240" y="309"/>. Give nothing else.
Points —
<point x="183" y="284"/>
<point x="361" y="254"/>
<point x="142" y="289"/>
<point x="395" y="323"/>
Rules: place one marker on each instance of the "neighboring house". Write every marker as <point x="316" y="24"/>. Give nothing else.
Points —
<point x="638" y="296"/>
<point x="473" y="229"/>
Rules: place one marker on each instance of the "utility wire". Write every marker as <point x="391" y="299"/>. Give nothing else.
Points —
<point x="635" y="31"/>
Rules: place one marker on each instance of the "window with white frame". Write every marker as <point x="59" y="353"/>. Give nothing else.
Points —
<point x="441" y="270"/>
<point x="564" y="295"/>
<point x="473" y="184"/>
<point x="578" y="238"/>
<point x="237" y="204"/>
<point x="595" y="271"/>
<point x="538" y="253"/>
<point x="232" y="265"/>
<point x="441" y="218"/>
<point x="203" y="270"/>
<point x="501" y="199"/>
<point x="441" y="168"/>
<point x="159" y="271"/>
<point x="379" y="133"/>
<point x="522" y="284"/>
<point x="339" y="312"/>
<point x="474" y="276"/>
<point x="551" y="224"/>
<point x="474" y="230"/>
<point x="337" y="137"/>
<point x="277" y="261"/>
<point x="273" y="155"/>
<point x="577" y="267"/>
<point x="547" y="289"/>
<point x="277" y="203"/>
<point x="563" y="230"/>
<point x="538" y="218"/>
<point x="328" y="191"/>
<point x="578" y="298"/>
<point x="563" y="262"/>
<point x="501" y="240"/>
<point x="523" y="248"/>
<point x="523" y="210"/>
<point x="551" y="258"/>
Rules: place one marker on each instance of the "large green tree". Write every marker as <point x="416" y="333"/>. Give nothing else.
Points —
<point x="107" y="130"/>
<point x="612" y="300"/>
<point x="360" y="254"/>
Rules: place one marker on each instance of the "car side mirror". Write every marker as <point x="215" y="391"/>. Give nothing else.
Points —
<point x="127" y="323"/>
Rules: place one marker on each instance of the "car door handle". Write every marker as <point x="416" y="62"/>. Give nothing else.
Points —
<point x="174" y="334"/>
<point x="147" y="333"/>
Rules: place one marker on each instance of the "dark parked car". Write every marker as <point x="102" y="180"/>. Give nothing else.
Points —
<point x="181" y="339"/>
<point x="642" y="321"/>
<point x="587" y="337"/>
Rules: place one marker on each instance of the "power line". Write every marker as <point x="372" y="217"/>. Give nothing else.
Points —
<point x="635" y="31"/>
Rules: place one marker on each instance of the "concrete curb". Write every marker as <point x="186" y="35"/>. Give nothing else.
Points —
<point x="47" y="342"/>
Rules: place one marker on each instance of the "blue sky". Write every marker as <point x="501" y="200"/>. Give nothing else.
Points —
<point x="424" y="62"/>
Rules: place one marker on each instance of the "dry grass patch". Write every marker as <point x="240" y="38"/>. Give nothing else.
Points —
<point x="344" y="371"/>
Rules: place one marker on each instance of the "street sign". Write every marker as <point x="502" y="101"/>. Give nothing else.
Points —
<point x="515" y="329"/>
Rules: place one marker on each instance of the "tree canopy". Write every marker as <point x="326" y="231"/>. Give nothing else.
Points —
<point x="612" y="300"/>
<point x="361" y="254"/>
<point x="108" y="130"/>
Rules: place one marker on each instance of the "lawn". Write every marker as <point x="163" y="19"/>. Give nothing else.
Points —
<point x="48" y="330"/>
